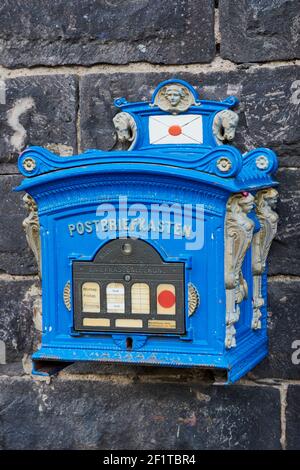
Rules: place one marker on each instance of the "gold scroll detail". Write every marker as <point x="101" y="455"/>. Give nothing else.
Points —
<point x="67" y="295"/>
<point x="31" y="226"/>
<point x="194" y="299"/>
<point x="265" y="201"/>
<point x="238" y="236"/>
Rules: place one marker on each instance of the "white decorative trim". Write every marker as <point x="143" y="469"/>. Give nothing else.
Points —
<point x="224" y="126"/>
<point x="32" y="229"/>
<point x="265" y="201"/>
<point x="194" y="299"/>
<point x="67" y="295"/>
<point x="126" y="130"/>
<point x="224" y="164"/>
<point x="262" y="162"/>
<point x="29" y="164"/>
<point x="174" y="98"/>
<point x="238" y="237"/>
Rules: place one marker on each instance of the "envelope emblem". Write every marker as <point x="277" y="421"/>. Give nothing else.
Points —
<point x="185" y="129"/>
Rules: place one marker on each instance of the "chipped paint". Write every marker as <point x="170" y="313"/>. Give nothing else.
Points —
<point x="19" y="108"/>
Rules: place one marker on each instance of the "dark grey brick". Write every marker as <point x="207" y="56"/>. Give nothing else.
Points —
<point x="12" y="369"/>
<point x="270" y="109"/>
<point x="269" y="105"/>
<point x="8" y="169"/>
<point x="18" y="298"/>
<point x="285" y="251"/>
<point x="293" y="417"/>
<point x="98" y="31"/>
<point x="15" y="255"/>
<point x="38" y="110"/>
<point x="284" y="329"/>
<point x="258" y="31"/>
<point x="95" y="414"/>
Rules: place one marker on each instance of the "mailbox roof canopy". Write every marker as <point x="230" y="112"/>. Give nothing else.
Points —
<point x="175" y="130"/>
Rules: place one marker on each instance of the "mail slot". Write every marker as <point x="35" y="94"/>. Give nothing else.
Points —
<point x="128" y="287"/>
<point x="155" y="252"/>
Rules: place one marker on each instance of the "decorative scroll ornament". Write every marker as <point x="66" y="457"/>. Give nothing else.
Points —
<point x="262" y="162"/>
<point x="67" y="295"/>
<point x="265" y="201"/>
<point x="224" y="126"/>
<point x="32" y="230"/>
<point x="174" y="98"/>
<point x="224" y="164"/>
<point x="194" y="299"/>
<point x="238" y="237"/>
<point x="126" y="130"/>
<point x="29" y="164"/>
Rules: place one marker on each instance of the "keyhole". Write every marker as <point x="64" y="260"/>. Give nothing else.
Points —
<point x="129" y="343"/>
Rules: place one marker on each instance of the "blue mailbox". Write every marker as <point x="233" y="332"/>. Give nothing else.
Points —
<point x="154" y="253"/>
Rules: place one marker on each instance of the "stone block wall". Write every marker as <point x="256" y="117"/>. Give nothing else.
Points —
<point x="62" y="63"/>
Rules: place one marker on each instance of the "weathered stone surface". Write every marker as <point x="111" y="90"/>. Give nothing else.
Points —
<point x="12" y="369"/>
<point x="269" y="112"/>
<point x="15" y="255"/>
<point x="135" y="372"/>
<point x="37" y="110"/>
<point x="95" y="31"/>
<point x="18" y="300"/>
<point x="95" y="414"/>
<point x="269" y="105"/>
<point x="258" y="31"/>
<point x="8" y="169"/>
<point x="283" y="328"/>
<point x="292" y="417"/>
<point x="284" y="255"/>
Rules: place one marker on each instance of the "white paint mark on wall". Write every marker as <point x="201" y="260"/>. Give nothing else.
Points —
<point x="20" y="107"/>
<point x="43" y="405"/>
<point x="60" y="149"/>
<point x="142" y="48"/>
<point x="33" y="297"/>
<point x="210" y="88"/>
<point x="27" y="364"/>
<point x="234" y="89"/>
<point x="295" y="89"/>
<point x="2" y="352"/>
<point x="2" y="92"/>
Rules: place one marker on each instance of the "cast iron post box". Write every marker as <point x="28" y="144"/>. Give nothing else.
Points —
<point x="154" y="253"/>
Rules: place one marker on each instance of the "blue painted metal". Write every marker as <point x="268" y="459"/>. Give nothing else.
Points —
<point x="68" y="190"/>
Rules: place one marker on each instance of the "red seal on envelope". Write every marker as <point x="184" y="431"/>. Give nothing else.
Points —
<point x="180" y="129"/>
<point x="175" y="130"/>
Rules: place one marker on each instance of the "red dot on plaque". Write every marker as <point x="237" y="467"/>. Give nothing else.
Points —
<point x="175" y="130"/>
<point x="166" y="299"/>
